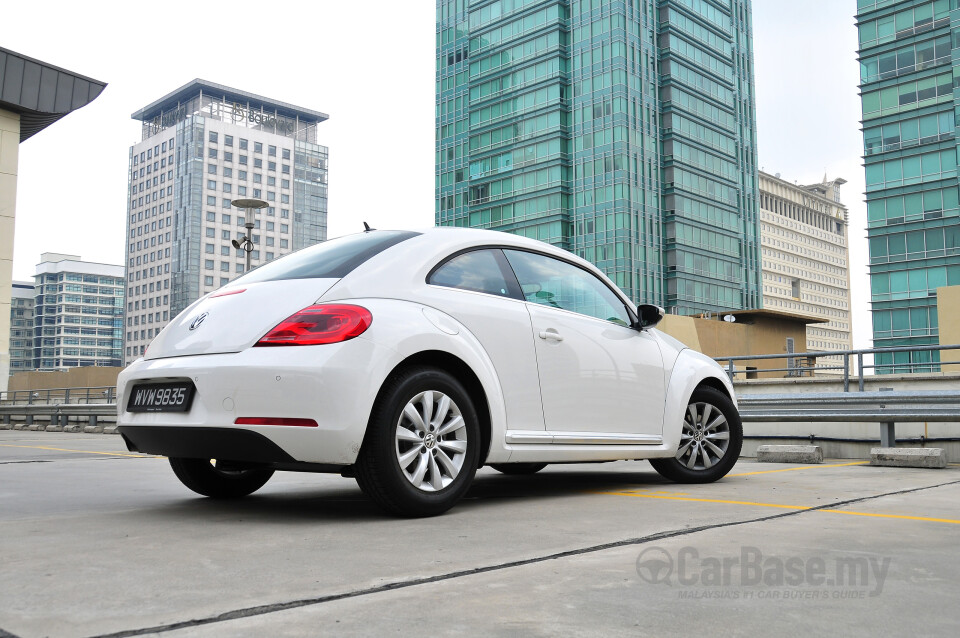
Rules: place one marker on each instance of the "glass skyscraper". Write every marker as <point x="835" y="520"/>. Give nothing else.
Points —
<point x="621" y="130"/>
<point x="907" y="83"/>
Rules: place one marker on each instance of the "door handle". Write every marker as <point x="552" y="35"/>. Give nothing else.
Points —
<point x="551" y="334"/>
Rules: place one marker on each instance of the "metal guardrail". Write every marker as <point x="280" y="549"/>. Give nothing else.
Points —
<point x="96" y="394"/>
<point x="804" y="363"/>
<point x="59" y="413"/>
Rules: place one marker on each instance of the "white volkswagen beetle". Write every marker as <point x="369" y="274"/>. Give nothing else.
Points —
<point x="410" y="359"/>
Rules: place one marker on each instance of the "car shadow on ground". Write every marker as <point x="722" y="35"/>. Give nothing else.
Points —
<point x="343" y="500"/>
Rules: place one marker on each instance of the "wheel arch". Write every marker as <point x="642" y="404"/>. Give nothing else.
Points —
<point x="458" y="368"/>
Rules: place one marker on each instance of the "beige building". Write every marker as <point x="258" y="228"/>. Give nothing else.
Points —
<point x="33" y="95"/>
<point x="803" y="233"/>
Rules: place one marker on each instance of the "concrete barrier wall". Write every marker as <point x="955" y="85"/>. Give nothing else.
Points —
<point x="870" y="432"/>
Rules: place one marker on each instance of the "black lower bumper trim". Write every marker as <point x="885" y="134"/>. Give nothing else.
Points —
<point x="228" y="444"/>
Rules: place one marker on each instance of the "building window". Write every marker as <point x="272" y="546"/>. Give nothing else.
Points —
<point x="243" y="144"/>
<point x="286" y="169"/>
<point x="227" y="156"/>
<point x="211" y="200"/>
<point x="211" y="217"/>
<point x="210" y="232"/>
<point x="243" y="160"/>
<point x="228" y="140"/>
<point x="213" y="137"/>
<point x="212" y="153"/>
<point x="227" y="188"/>
<point x="208" y="248"/>
<point x="227" y="171"/>
<point x="208" y="264"/>
<point x="286" y="153"/>
<point x="225" y="250"/>
<point x="257" y="147"/>
<point x="208" y="280"/>
<point x="257" y="162"/>
<point x="225" y="219"/>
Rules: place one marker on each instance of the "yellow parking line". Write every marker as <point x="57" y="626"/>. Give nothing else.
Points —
<point x="706" y="500"/>
<point x="59" y="449"/>
<point x="909" y="518"/>
<point x="803" y="467"/>
<point x="786" y="507"/>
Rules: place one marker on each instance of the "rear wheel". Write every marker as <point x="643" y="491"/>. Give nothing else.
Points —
<point x="422" y="445"/>
<point x="219" y="479"/>
<point x="518" y="469"/>
<point x="710" y="440"/>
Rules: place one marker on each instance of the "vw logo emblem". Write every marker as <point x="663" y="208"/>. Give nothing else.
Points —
<point x="198" y="320"/>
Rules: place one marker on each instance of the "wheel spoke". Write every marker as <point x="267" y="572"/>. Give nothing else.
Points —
<point x="707" y="463"/>
<point x="713" y="448"/>
<point x="447" y="464"/>
<point x="705" y="415"/>
<point x="717" y="422"/>
<point x="692" y="414"/>
<point x="456" y="445"/>
<point x="403" y="434"/>
<point x="410" y="411"/>
<point x="408" y="456"/>
<point x="441" y="412"/>
<point x="452" y="425"/>
<point x="693" y="456"/>
<point x="718" y="436"/>
<point x="417" y="477"/>
<point x="436" y="478"/>
<point x="426" y="402"/>
<point x="684" y="448"/>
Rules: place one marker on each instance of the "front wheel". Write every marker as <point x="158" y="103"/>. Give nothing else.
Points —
<point x="710" y="440"/>
<point x="422" y="445"/>
<point x="218" y="479"/>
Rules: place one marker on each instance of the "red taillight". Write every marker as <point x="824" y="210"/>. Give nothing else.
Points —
<point x="258" y="420"/>
<point x="316" y="325"/>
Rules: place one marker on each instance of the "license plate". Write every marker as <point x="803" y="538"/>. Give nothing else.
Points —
<point x="161" y="397"/>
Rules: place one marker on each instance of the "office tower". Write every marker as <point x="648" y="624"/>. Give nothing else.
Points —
<point x="77" y="313"/>
<point x="803" y="233"/>
<point x="910" y="156"/>
<point x="203" y="146"/>
<point x="622" y="131"/>
<point x="21" y="327"/>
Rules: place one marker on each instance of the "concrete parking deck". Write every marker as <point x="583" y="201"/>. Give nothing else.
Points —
<point x="97" y="541"/>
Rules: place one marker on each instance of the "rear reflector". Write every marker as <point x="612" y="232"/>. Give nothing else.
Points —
<point x="320" y="324"/>
<point x="227" y="293"/>
<point x="263" y="420"/>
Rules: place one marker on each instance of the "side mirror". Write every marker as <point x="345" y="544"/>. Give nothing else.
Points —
<point x="649" y="316"/>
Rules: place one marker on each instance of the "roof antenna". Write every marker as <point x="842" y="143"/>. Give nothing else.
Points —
<point x="366" y="227"/>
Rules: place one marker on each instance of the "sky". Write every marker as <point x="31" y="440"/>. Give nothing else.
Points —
<point x="373" y="73"/>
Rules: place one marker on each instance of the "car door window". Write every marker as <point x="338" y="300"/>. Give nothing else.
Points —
<point x="555" y="283"/>
<point x="478" y="270"/>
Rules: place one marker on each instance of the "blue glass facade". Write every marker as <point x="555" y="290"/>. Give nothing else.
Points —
<point x="622" y="130"/>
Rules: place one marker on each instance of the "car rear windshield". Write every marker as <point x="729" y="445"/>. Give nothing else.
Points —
<point x="331" y="259"/>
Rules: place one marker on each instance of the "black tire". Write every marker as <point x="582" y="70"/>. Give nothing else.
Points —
<point x="697" y="440"/>
<point x="406" y="490"/>
<point x="206" y="478"/>
<point x="518" y="469"/>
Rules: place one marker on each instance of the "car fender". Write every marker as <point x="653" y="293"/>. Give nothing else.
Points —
<point x="689" y="371"/>
<point x="409" y="328"/>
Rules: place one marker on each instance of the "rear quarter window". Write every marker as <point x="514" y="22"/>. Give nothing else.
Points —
<point x="332" y="259"/>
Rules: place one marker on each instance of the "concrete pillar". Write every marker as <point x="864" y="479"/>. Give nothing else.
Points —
<point x="9" y="150"/>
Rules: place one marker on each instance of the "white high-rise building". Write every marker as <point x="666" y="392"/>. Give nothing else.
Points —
<point x="77" y="313"/>
<point x="203" y="146"/>
<point x="806" y="258"/>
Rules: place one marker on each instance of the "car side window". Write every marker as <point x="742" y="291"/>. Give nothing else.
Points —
<point x="555" y="283"/>
<point x="477" y="270"/>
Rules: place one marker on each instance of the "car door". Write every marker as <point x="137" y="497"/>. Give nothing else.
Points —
<point x="598" y="375"/>
<point x="478" y="289"/>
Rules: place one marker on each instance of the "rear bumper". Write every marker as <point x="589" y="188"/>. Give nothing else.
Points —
<point x="335" y="385"/>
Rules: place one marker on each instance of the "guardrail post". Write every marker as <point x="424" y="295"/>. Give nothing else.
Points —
<point x="888" y="435"/>
<point x="93" y="420"/>
<point x="846" y="372"/>
<point x="860" y="369"/>
<point x="730" y="370"/>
